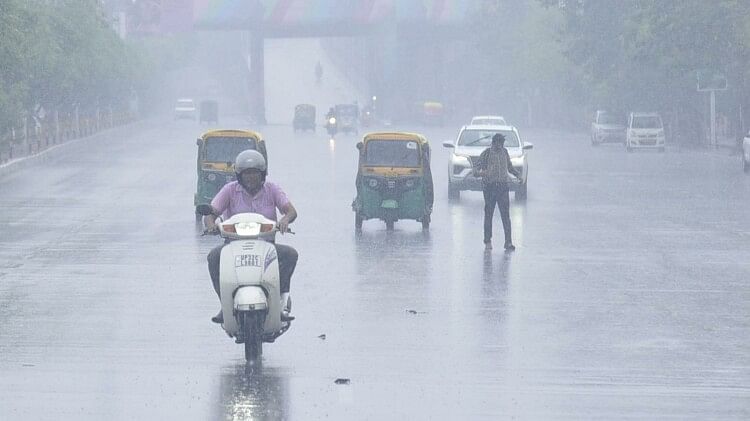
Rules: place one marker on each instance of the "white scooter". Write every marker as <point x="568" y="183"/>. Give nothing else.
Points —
<point x="249" y="281"/>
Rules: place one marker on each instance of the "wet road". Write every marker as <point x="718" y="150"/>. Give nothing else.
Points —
<point x="626" y="298"/>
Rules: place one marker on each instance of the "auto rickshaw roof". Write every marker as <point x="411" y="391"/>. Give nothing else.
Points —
<point x="396" y="136"/>
<point x="233" y="133"/>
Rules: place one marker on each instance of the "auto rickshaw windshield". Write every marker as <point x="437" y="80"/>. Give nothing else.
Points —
<point x="225" y="149"/>
<point x="390" y="153"/>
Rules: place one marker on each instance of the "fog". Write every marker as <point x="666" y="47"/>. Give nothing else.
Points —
<point x="618" y="291"/>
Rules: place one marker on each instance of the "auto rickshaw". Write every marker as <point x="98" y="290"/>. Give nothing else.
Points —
<point x="209" y="112"/>
<point x="217" y="150"/>
<point x="394" y="180"/>
<point x="347" y="116"/>
<point x="304" y="117"/>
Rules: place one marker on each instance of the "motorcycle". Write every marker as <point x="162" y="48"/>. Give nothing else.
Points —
<point x="332" y="126"/>
<point x="249" y="281"/>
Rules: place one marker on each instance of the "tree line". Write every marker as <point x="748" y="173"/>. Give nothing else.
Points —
<point x="562" y="59"/>
<point x="59" y="56"/>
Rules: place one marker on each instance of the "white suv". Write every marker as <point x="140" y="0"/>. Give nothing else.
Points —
<point x="472" y="140"/>
<point x="488" y="120"/>
<point x="644" y="131"/>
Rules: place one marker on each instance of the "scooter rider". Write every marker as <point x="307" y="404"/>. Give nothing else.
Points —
<point x="252" y="193"/>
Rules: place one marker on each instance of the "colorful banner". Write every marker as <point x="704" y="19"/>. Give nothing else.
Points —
<point x="315" y="12"/>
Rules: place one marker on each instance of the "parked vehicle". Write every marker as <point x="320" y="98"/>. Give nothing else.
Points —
<point x="249" y="281"/>
<point x="645" y="131"/>
<point x="394" y="180"/>
<point x="470" y="143"/>
<point x="607" y="127"/>
<point x="217" y="150"/>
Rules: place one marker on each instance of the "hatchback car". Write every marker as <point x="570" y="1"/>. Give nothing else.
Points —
<point x="644" y="131"/>
<point x="472" y="140"/>
<point x="185" y="108"/>
<point x="607" y="127"/>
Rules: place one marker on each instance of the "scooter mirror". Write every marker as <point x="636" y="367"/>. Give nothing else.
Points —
<point x="204" y="209"/>
<point x="198" y="141"/>
<point x="360" y="145"/>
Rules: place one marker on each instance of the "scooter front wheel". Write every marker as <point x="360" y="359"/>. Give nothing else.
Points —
<point x="252" y="329"/>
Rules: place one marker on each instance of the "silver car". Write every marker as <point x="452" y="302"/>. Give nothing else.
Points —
<point x="470" y="143"/>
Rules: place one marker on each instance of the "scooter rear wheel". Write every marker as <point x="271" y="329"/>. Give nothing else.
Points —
<point x="252" y="328"/>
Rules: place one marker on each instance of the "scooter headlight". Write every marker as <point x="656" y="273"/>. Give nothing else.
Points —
<point x="332" y="120"/>
<point x="211" y="177"/>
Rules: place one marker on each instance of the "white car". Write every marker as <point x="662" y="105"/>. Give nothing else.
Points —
<point x="185" y="108"/>
<point x="746" y="153"/>
<point x="472" y="140"/>
<point x="607" y="127"/>
<point x="644" y="131"/>
<point x="488" y="120"/>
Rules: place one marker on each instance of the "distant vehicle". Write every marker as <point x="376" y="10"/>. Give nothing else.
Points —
<point x="607" y="127"/>
<point x="746" y="153"/>
<point x="644" y="131"/>
<point x="304" y="117"/>
<point x="347" y="118"/>
<point x="209" y="112"/>
<point x="185" y="108"/>
<point x="471" y="142"/>
<point x="488" y="120"/>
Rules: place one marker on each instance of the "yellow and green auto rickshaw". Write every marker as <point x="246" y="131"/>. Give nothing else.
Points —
<point x="217" y="150"/>
<point x="394" y="180"/>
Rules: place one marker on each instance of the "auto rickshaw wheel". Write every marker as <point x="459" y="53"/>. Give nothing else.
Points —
<point x="358" y="219"/>
<point x="426" y="222"/>
<point x="389" y="224"/>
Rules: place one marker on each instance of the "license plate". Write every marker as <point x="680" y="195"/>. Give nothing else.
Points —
<point x="389" y="204"/>
<point x="244" y="260"/>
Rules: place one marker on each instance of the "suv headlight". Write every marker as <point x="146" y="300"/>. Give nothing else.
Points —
<point x="517" y="161"/>
<point x="460" y="160"/>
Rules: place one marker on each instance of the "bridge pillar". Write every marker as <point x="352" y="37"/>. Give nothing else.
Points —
<point x="257" y="78"/>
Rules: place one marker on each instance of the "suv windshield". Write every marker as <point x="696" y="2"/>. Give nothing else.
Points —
<point x="646" y="122"/>
<point x="225" y="149"/>
<point x="392" y="153"/>
<point x="472" y="137"/>
<point x="488" y="121"/>
<point x="607" y="118"/>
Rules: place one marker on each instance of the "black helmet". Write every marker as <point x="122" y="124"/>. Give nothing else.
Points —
<point x="498" y="137"/>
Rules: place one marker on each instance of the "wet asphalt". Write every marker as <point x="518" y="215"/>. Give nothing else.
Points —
<point x="627" y="296"/>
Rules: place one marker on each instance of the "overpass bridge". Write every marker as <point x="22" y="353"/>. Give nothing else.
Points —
<point x="385" y="23"/>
